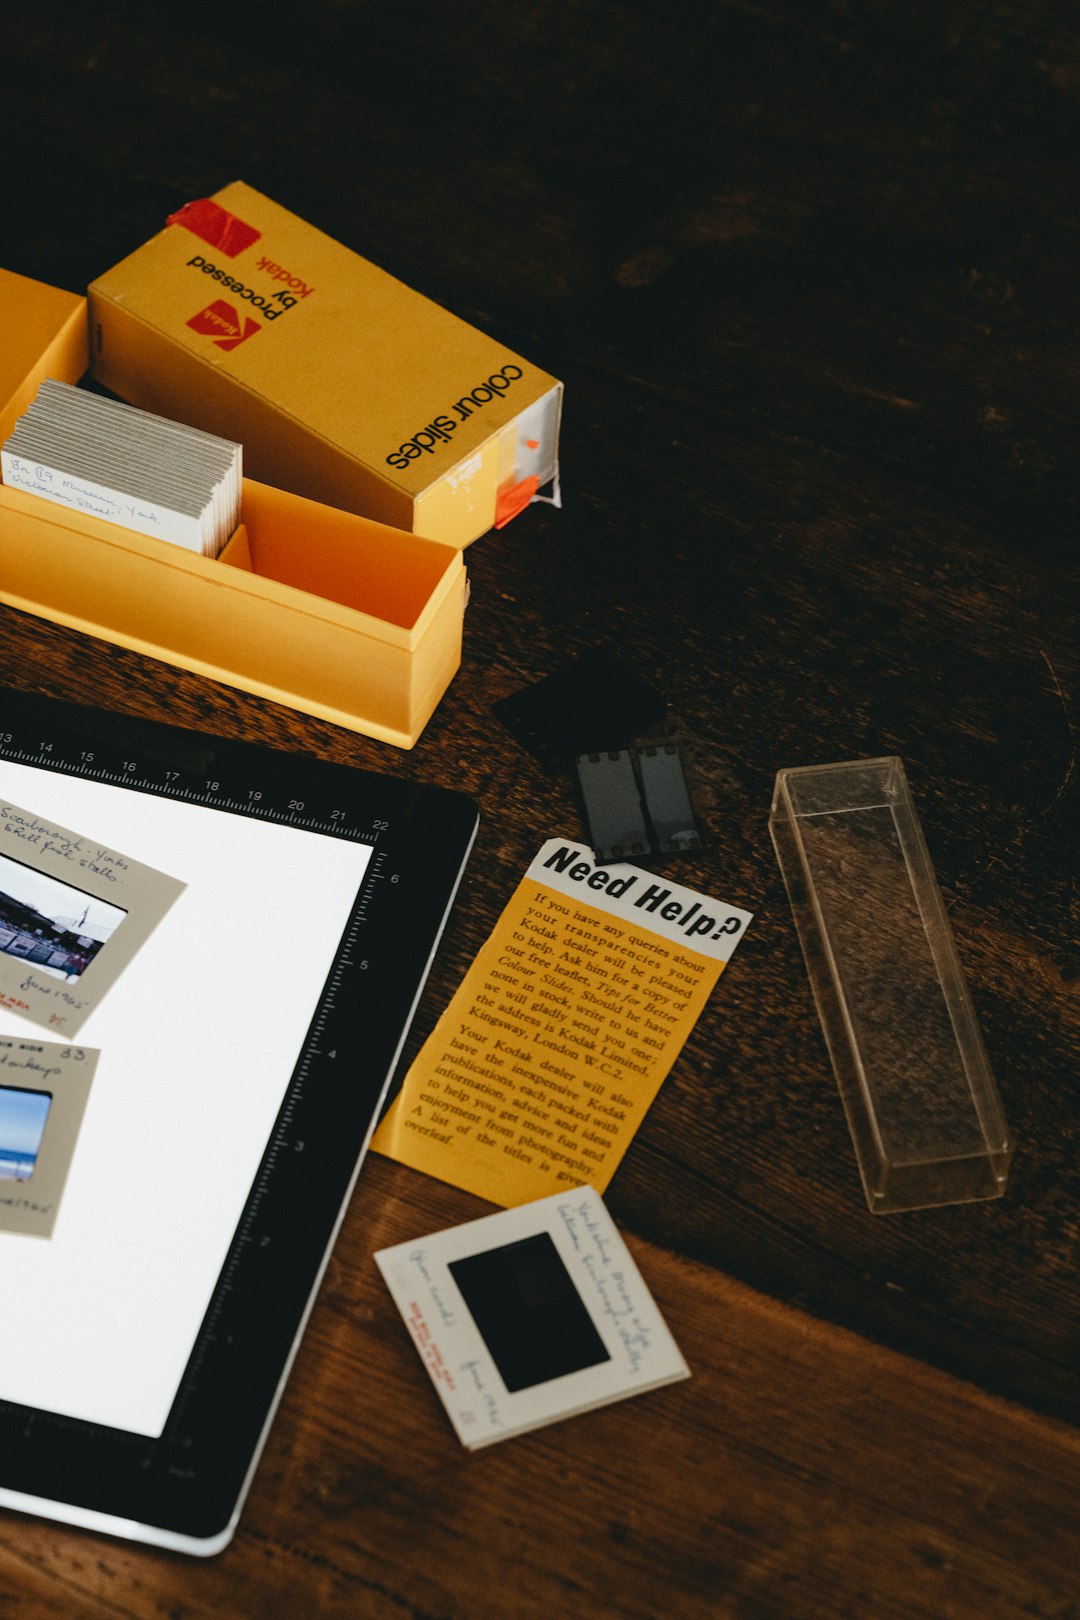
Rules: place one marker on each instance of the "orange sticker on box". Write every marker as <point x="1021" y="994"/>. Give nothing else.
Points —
<point x="514" y="498"/>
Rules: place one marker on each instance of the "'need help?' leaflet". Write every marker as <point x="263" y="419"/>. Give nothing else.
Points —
<point x="543" y="1065"/>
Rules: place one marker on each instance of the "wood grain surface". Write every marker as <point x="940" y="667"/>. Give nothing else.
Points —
<point x="808" y="270"/>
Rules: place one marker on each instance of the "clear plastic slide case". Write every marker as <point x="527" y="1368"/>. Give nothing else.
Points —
<point x="921" y="1102"/>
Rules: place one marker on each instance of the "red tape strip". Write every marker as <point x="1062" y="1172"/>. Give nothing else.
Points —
<point x="211" y="223"/>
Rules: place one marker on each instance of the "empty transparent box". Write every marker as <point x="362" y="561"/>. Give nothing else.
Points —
<point x="921" y="1102"/>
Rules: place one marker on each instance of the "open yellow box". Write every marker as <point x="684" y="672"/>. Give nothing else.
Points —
<point x="334" y="614"/>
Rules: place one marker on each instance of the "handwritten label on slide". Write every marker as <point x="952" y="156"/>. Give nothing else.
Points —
<point x="73" y="914"/>
<point x="544" y="1064"/>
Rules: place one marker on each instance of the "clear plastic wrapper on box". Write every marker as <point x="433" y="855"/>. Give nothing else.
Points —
<point x="921" y="1102"/>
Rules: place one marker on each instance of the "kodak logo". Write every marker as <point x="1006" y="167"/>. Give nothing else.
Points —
<point x="221" y="321"/>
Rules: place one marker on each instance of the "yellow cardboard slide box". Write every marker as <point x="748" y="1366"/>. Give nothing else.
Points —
<point x="319" y="609"/>
<point x="341" y="383"/>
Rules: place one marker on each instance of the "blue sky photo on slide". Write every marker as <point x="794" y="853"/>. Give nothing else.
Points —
<point x="22" y="1122"/>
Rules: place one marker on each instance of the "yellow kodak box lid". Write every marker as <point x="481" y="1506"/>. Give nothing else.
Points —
<point x="42" y="334"/>
<point x="372" y="371"/>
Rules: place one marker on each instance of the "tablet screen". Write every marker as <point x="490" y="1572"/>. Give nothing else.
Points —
<point x="191" y="1031"/>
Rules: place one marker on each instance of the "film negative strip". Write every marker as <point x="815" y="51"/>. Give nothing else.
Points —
<point x="637" y="802"/>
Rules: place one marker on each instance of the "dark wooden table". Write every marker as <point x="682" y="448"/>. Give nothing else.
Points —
<point x="809" y="272"/>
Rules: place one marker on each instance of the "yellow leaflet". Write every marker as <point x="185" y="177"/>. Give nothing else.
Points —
<point x="557" y="1040"/>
